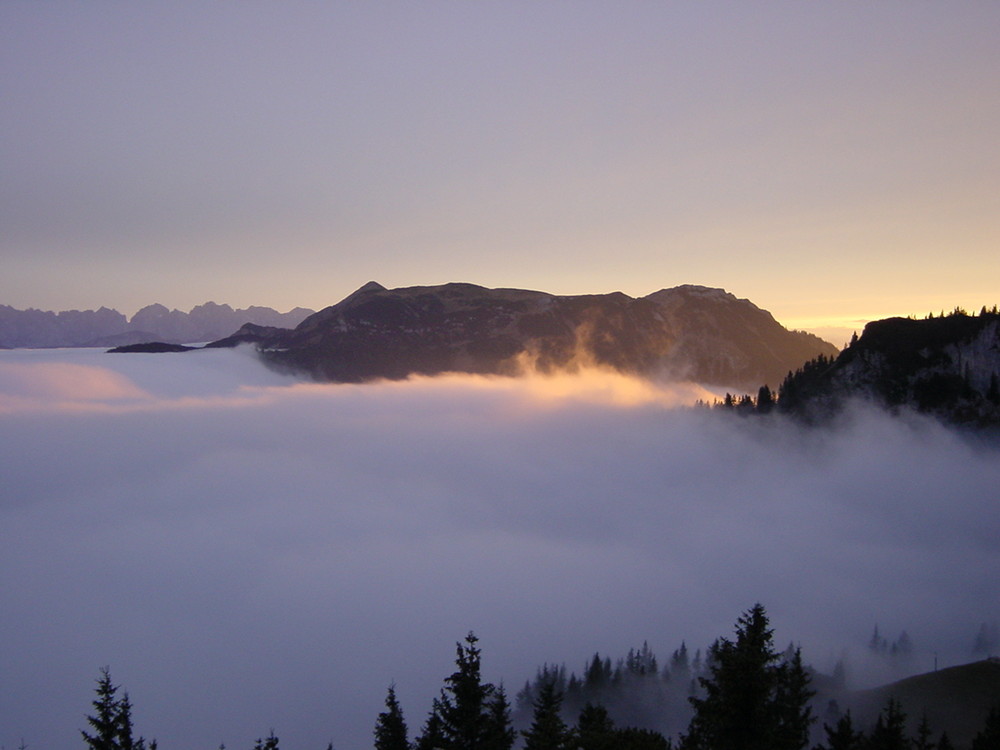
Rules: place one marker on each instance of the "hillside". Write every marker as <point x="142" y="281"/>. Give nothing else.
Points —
<point x="956" y="700"/>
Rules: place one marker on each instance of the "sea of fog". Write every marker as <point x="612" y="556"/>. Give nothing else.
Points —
<point x="249" y="552"/>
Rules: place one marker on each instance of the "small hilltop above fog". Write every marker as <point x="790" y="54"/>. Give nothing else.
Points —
<point x="688" y="332"/>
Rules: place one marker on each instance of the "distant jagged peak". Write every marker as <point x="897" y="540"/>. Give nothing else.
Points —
<point x="108" y="327"/>
<point x="212" y="307"/>
<point x="154" y="309"/>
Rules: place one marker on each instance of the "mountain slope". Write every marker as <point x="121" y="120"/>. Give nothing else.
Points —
<point x="688" y="332"/>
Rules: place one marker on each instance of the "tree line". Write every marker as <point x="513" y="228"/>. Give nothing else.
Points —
<point x="745" y="696"/>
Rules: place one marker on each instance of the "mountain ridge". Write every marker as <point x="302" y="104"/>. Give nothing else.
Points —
<point x="106" y="327"/>
<point x="682" y="333"/>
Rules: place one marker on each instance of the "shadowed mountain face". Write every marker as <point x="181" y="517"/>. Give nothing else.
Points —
<point x="689" y="332"/>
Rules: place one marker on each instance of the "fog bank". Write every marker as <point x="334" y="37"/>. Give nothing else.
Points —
<point x="247" y="551"/>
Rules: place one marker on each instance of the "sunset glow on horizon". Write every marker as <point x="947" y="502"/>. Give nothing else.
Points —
<point x="824" y="161"/>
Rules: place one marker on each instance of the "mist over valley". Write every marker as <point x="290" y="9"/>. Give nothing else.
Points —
<point x="247" y="550"/>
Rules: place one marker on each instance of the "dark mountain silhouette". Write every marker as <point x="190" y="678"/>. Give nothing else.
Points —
<point x="209" y="321"/>
<point x="946" y="366"/>
<point x="39" y="328"/>
<point x="106" y="328"/>
<point x="688" y="332"/>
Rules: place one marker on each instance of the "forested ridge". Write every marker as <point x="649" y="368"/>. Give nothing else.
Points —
<point x="743" y="694"/>
<point x="946" y="366"/>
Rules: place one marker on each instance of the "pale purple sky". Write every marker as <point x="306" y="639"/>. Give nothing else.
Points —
<point x="833" y="162"/>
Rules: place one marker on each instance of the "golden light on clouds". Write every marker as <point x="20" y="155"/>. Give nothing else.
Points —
<point x="563" y="389"/>
<point x="62" y="386"/>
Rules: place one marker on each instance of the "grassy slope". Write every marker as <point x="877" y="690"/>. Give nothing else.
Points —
<point x="956" y="699"/>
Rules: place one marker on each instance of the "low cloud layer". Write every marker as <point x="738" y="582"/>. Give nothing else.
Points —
<point x="248" y="552"/>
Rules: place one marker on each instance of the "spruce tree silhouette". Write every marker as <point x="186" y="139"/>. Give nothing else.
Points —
<point x="548" y="731"/>
<point x="111" y="721"/>
<point x="753" y="701"/>
<point x="390" y="728"/>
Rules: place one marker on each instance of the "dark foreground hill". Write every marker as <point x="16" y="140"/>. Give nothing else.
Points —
<point x="956" y="700"/>
<point x="947" y="366"/>
<point x="689" y="332"/>
<point x="106" y="327"/>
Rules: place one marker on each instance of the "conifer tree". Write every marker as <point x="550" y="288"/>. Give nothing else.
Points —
<point x="464" y="700"/>
<point x="390" y="728"/>
<point x="988" y="738"/>
<point x="112" y="719"/>
<point x="431" y="738"/>
<point x="594" y="729"/>
<point x="105" y="719"/>
<point x="598" y="674"/>
<point x="923" y="739"/>
<point x="267" y="743"/>
<point x="842" y="736"/>
<point x="499" y="731"/>
<point x="125" y="739"/>
<point x="680" y="668"/>
<point x="794" y="715"/>
<point x="765" y="400"/>
<point x="469" y="714"/>
<point x="890" y="729"/>
<point x="751" y="701"/>
<point x="548" y="731"/>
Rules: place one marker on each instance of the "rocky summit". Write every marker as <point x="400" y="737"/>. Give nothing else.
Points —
<point x="685" y="333"/>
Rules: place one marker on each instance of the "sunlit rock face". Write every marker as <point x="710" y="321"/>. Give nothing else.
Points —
<point x="685" y="333"/>
<point x="947" y="366"/>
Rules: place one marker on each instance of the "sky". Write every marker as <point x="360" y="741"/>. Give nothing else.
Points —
<point x="832" y="162"/>
<point x="246" y="551"/>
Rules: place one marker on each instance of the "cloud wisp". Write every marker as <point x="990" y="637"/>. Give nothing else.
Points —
<point x="251" y="552"/>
